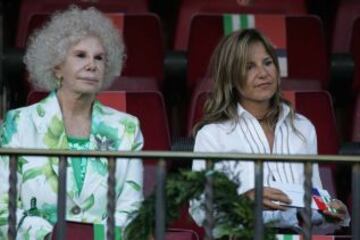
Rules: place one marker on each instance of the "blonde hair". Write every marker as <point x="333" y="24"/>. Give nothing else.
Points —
<point x="48" y="46"/>
<point x="227" y="69"/>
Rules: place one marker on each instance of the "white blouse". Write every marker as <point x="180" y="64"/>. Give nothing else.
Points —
<point x="247" y="136"/>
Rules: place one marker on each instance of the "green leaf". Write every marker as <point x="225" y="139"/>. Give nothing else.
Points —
<point x="55" y="136"/>
<point x="129" y="125"/>
<point x="53" y="182"/>
<point x="99" y="166"/>
<point x="3" y="221"/>
<point x="9" y="127"/>
<point x="40" y="110"/>
<point x="123" y="211"/>
<point x="134" y="185"/>
<point x="32" y="173"/>
<point x="89" y="202"/>
<point x="136" y="146"/>
<point x="49" y="212"/>
<point x="101" y="110"/>
<point x="20" y="163"/>
<point x="27" y="234"/>
<point x="106" y="136"/>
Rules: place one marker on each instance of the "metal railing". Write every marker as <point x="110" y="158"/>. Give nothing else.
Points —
<point x="163" y="157"/>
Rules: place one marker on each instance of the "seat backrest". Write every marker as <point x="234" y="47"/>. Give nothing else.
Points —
<point x="355" y="52"/>
<point x="318" y="107"/>
<point x="189" y="8"/>
<point x="347" y="12"/>
<point x="303" y="61"/>
<point x="355" y="128"/>
<point x="76" y="230"/>
<point x="28" y="8"/>
<point x="149" y="107"/>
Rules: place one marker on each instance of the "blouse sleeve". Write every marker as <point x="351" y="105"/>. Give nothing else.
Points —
<point x="312" y="149"/>
<point x="204" y="142"/>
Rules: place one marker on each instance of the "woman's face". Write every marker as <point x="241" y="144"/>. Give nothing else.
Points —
<point x="83" y="68"/>
<point x="261" y="76"/>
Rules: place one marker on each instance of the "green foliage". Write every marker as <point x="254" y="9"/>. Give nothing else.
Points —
<point x="234" y="218"/>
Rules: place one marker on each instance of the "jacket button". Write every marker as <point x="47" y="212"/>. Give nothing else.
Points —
<point x="75" y="210"/>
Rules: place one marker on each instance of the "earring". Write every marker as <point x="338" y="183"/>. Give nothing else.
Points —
<point x="59" y="81"/>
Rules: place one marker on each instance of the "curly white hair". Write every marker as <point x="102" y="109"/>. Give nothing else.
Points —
<point x="48" y="46"/>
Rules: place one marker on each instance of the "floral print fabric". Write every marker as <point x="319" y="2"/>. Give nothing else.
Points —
<point x="41" y="126"/>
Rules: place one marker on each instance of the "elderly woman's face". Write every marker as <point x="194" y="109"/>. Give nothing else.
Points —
<point x="83" y="68"/>
<point x="261" y="76"/>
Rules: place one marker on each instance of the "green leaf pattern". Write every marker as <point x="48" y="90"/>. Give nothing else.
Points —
<point x="134" y="185"/>
<point x="9" y="127"/>
<point x="106" y="137"/>
<point x="55" y="137"/>
<point x="130" y="127"/>
<point x="99" y="166"/>
<point x="40" y="110"/>
<point x="49" y="212"/>
<point x="89" y="203"/>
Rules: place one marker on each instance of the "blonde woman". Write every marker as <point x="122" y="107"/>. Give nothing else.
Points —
<point x="246" y="113"/>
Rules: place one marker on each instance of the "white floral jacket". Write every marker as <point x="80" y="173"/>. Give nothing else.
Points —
<point x="41" y="126"/>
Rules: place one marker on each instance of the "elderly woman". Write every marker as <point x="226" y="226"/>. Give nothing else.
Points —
<point x="76" y="55"/>
<point x="247" y="114"/>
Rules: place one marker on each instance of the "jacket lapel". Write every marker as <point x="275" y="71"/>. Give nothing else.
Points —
<point x="50" y="126"/>
<point x="96" y="171"/>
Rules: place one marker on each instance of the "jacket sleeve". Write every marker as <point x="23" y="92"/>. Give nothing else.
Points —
<point x="131" y="195"/>
<point x="29" y="227"/>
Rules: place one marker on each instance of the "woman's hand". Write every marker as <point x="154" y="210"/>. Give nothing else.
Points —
<point x="339" y="212"/>
<point x="272" y="198"/>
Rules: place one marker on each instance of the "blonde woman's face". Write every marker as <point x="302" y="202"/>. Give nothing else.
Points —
<point x="261" y="76"/>
<point x="84" y="67"/>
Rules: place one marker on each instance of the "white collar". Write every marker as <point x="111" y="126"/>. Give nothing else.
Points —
<point x="284" y="113"/>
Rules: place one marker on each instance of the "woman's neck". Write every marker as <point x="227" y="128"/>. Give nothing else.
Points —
<point x="257" y="109"/>
<point x="76" y="112"/>
<point x="75" y="105"/>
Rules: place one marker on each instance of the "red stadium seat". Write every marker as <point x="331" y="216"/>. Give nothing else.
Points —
<point x="355" y="132"/>
<point x="347" y="12"/>
<point x="308" y="64"/>
<point x="80" y="231"/>
<point x="355" y="52"/>
<point x="149" y="107"/>
<point x="28" y="8"/>
<point x="189" y="8"/>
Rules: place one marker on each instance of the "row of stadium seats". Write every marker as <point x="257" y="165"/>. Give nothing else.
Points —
<point x="348" y="11"/>
<point x="308" y="63"/>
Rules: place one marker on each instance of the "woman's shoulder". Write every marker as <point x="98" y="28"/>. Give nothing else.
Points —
<point x="303" y="123"/>
<point x="113" y="114"/>
<point x="217" y="128"/>
<point x="21" y="112"/>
